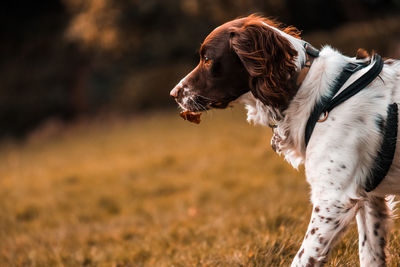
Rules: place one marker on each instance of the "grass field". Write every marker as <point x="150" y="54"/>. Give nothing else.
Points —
<point x="155" y="191"/>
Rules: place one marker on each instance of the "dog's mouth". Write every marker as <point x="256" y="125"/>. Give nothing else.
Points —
<point x="193" y="106"/>
<point x="197" y="103"/>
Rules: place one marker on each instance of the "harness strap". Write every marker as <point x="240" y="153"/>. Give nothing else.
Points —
<point x="358" y="85"/>
<point x="327" y="103"/>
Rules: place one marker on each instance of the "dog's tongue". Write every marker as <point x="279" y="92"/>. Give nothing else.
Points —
<point x="191" y="116"/>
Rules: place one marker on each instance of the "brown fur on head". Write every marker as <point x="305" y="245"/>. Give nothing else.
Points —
<point x="268" y="58"/>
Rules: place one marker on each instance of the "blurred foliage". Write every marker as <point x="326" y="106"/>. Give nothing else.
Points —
<point x="68" y="58"/>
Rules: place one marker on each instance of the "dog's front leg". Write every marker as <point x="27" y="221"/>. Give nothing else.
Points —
<point x="328" y="221"/>
<point x="330" y="216"/>
<point x="373" y="221"/>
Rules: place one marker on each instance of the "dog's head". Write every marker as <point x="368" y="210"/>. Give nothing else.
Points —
<point x="246" y="54"/>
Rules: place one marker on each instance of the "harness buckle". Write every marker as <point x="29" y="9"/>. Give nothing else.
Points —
<point x="353" y="67"/>
<point x="311" y="50"/>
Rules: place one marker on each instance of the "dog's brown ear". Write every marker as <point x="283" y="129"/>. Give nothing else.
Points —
<point x="269" y="59"/>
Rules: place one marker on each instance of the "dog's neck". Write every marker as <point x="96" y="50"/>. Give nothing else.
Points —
<point x="272" y="116"/>
<point x="290" y="124"/>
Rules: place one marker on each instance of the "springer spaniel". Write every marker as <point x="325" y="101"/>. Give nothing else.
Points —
<point x="280" y="79"/>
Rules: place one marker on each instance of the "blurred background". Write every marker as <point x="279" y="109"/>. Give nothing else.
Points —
<point x="98" y="169"/>
<point x="66" y="59"/>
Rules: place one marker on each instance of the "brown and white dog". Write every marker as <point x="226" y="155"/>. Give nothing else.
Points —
<point x="265" y="66"/>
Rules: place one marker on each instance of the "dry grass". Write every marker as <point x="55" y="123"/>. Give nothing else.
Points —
<point x="156" y="191"/>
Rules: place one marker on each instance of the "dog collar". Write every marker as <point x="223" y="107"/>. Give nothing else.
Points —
<point x="311" y="54"/>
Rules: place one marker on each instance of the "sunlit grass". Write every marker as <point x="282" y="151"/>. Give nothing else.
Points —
<point x="155" y="191"/>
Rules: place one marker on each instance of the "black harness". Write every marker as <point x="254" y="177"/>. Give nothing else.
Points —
<point x="385" y="155"/>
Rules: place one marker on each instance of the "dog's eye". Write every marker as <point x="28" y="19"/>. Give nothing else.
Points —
<point x="207" y="60"/>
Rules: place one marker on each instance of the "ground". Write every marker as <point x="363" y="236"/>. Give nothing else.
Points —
<point x="155" y="190"/>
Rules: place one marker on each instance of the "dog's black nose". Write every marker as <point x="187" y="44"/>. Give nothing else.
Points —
<point x="174" y="92"/>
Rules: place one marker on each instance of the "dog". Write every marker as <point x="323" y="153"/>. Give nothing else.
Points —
<point x="281" y="79"/>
